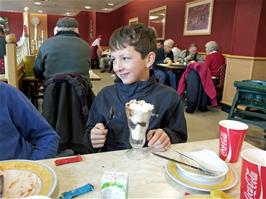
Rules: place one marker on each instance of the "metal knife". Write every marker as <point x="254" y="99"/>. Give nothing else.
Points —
<point x="204" y="171"/>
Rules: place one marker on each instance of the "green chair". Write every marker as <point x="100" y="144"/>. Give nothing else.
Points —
<point x="252" y="95"/>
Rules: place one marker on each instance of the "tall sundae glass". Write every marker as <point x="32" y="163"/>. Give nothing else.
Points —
<point x="138" y="117"/>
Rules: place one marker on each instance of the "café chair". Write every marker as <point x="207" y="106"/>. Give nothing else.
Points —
<point x="197" y="88"/>
<point x="66" y="104"/>
<point x="250" y="94"/>
<point x="219" y="81"/>
<point x="194" y="95"/>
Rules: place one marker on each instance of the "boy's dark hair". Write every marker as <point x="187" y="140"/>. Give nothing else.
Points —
<point x="141" y="37"/>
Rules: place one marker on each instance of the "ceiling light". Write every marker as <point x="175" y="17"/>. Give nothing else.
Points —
<point x="37" y="3"/>
<point x="67" y="13"/>
<point x="40" y="11"/>
<point x="87" y="7"/>
<point x="110" y="4"/>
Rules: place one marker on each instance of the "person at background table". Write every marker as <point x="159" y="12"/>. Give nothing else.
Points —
<point x="160" y="55"/>
<point x="159" y="44"/>
<point x="214" y="59"/>
<point x="164" y="57"/>
<point x="2" y="50"/>
<point x="106" y="61"/>
<point x="176" y="52"/>
<point x="24" y="133"/>
<point x="66" y="52"/>
<point x="96" y="51"/>
<point x="133" y="52"/>
<point x="190" y="54"/>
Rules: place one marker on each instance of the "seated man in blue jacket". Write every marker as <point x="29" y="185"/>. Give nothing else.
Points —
<point x="24" y="133"/>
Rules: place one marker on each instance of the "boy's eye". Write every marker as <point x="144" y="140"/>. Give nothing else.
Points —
<point x="126" y="58"/>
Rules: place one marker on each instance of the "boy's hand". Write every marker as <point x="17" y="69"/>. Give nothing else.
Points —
<point x="98" y="136"/>
<point x="158" y="139"/>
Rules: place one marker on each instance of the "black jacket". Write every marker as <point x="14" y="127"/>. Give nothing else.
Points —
<point x="167" y="105"/>
<point x="2" y="47"/>
<point x="66" y="103"/>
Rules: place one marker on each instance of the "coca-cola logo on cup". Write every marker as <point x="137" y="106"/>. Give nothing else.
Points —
<point x="224" y="143"/>
<point x="251" y="179"/>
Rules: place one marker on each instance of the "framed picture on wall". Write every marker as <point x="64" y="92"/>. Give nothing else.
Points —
<point x="157" y="20"/>
<point x="198" y="17"/>
<point x="133" y="21"/>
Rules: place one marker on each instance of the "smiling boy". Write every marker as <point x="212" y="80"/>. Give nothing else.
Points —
<point x="133" y="53"/>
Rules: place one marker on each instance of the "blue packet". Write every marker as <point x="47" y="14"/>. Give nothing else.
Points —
<point x="77" y="192"/>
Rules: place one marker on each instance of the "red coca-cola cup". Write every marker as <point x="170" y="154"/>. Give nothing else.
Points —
<point x="253" y="174"/>
<point x="232" y="134"/>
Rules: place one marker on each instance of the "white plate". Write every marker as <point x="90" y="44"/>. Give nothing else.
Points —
<point x="46" y="175"/>
<point x="229" y="181"/>
<point x="209" y="160"/>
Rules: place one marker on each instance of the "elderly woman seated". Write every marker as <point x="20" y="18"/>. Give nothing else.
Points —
<point x="215" y="61"/>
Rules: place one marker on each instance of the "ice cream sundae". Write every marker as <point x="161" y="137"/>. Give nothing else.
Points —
<point x="138" y="114"/>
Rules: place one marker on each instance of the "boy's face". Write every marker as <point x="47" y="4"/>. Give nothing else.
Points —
<point x="129" y="65"/>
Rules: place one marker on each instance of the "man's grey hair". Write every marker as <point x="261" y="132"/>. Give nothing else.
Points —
<point x="67" y="24"/>
<point x="211" y="46"/>
<point x="169" y="42"/>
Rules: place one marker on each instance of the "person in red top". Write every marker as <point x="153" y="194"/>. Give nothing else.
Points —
<point x="214" y="59"/>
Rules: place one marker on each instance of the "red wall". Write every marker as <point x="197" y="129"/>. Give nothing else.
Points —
<point x="221" y="26"/>
<point x="82" y="18"/>
<point x="261" y="39"/>
<point x="238" y="25"/>
<point x="51" y="22"/>
<point x="15" y="21"/>
<point x="246" y="27"/>
<point x="106" y="23"/>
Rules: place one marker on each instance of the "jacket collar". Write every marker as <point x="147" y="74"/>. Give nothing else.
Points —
<point x="136" y="90"/>
<point x="67" y="33"/>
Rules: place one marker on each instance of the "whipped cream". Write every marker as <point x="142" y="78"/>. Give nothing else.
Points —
<point x="139" y="105"/>
<point x="138" y="113"/>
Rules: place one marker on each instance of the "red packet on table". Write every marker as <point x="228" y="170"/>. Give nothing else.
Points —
<point x="62" y="161"/>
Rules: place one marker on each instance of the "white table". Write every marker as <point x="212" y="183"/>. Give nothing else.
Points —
<point x="147" y="178"/>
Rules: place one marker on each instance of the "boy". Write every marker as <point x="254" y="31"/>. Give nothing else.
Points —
<point x="132" y="51"/>
<point x="24" y="133"/>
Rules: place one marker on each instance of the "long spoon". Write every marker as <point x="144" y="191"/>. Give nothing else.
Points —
<point x="111" y="116"/>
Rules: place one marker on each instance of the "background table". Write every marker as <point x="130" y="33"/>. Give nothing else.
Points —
<point x="147" y="178"/>
<point x="175" y="67"/>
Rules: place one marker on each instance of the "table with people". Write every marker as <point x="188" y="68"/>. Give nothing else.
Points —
<point x="200" y="82"/>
